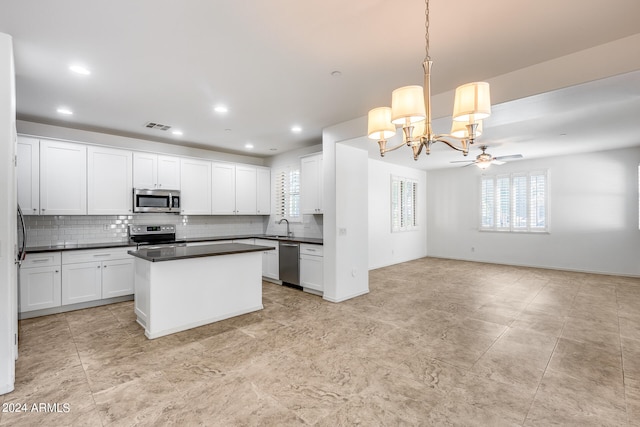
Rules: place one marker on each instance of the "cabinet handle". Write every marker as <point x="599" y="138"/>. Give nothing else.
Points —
<point x="98" y="266"/>
<point x="96" y="255"/>
<point x="104" y="266"/>
<point x="57" y="271"/>
<point x="34" y="209"/>
<point x="40" y="260"/>
<point x="43" y="209"/>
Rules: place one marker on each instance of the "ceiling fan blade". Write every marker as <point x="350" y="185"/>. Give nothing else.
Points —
<point x="513" y="156"/>
<point x="497" y="162"/>
<point x="462" y="161"/>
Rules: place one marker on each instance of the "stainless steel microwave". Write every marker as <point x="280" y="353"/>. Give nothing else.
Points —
<point x="153" y="200"/>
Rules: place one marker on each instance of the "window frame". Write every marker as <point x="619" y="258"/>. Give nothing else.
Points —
<point x="404" y="210"/>
<point x="514" y="222"/>
<point x="286" y="205"/>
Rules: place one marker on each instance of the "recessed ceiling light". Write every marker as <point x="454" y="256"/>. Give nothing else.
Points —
<point x="248" y="146"/>
<point x="221" y="109"/>
<point x="273" y="149"/>
<point x="177" y="132"/>
<point x="336" y="73"/>
<point x="79" y="69"/>
<point x="296" y="129"/>
<point x="65" y="111"/>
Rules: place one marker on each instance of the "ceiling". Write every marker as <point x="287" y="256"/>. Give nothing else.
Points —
<point x="274" y="64"/>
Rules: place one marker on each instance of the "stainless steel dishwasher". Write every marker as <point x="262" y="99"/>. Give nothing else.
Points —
<point x="290" y="263"/>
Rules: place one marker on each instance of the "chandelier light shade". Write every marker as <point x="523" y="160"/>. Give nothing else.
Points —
<point x="407" y="104"/>
<point x="472" y="102"/>
<point x="411" y="109"/>
<point x="379" y="124"/>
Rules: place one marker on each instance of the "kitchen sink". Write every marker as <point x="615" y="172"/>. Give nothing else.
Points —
<point x="273" y="236"/>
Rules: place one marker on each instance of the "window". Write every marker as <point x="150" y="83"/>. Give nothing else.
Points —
<point x="403" y="204"/>
<point x="288" y="194"/>
<point x="515" y="202"/>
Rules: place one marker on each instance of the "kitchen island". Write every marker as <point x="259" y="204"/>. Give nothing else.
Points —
<point x="179" y="288"/>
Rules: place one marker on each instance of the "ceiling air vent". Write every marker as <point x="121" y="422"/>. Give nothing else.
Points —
<point x="159" y="126"/>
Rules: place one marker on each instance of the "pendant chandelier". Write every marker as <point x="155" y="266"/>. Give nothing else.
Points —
<point x="411" y="108"/>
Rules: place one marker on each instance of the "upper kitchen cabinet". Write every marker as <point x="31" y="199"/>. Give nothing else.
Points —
<point x="28" y="175"/>
<point x="63" y="178"/>
<point x="263" y="185"/>
<point x="195" y="192"/>
<point x="109" y="181"/>
<point x="235" y="189"/>
<point x="156" y="171"/>
<point x="223" y="187"/>
<point x="311" y="178"/>
<point x="246" y="190"/>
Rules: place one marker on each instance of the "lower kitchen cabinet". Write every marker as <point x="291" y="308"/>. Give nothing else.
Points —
<point x="40" y="282"/>
<point x="91" y="275"/>
<point x="311" y="267"/>
<point x="270" y="259"/>
<point x="118" y="278"/>
<point x="81" y="282"/>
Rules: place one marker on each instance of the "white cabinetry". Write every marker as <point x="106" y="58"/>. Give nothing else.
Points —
<point x="63" y="178"/>
<point x="109" y="181"/>
<point x="96" y="274"/>
<point x="195" y="191"/>
<point x="223" y="189"/>
<point x="246" y="190"/>
<point x="28" y="175"/>
<point x="40" y="281"/>
<point x="263" y="190"/>
<point x="311" y="183"/>
<point x="270" y="259"/>
<point x="156" y="171"/>
<point x="311" y="267"/>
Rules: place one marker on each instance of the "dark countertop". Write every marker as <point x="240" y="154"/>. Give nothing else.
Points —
<point x="106" y="245"/>
<point x="185" y="252"/>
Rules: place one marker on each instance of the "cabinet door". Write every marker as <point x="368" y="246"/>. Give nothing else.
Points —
<point x="28" y="175"/>
<point x="223" y="189"/>
<point x="195" y="192"/>
<point x="63" y="178"/>
<point x="81" y="282"/>
<point x="311" y="184"/>
<point x="109" y="181"/>
<point x="169" y="172"/>
<point x="39" y="288"/>
<point x="263" y="191"/>
<point x="145" y="170"/>
<point x="246" y="194"/>
<point x="117" y="278"/>
<point x="311" y="272"/>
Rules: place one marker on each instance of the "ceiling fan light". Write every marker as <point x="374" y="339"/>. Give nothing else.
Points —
<point x="407" y="103"/>
<point x="459" y="129"/>
<point x="379" y="124"/>
<point x="483" y="165"/>
<point x="472" y="102"/>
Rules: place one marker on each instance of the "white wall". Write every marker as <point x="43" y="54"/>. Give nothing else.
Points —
<point x="593" y="215"/>
<point x="345" y="207"/>
<point x="89" y="137"/>
<point x="8" y="203"/>
<point x="385" y="247"/>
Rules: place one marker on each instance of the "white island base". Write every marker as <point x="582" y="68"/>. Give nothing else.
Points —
<point x="173" y="296"/>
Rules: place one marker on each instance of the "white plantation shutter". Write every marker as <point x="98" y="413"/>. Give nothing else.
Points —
<point x="287" y="187"/>
<point x="403" y="204"/>
<point x="516" y="202"/>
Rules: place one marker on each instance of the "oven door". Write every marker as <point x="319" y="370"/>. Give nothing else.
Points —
<point x="156" y="200"/>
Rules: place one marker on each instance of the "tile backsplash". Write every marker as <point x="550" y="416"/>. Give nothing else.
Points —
<point x="57" y="230"/>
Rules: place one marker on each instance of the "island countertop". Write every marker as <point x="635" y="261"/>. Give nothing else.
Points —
<point x="185" y="252"/>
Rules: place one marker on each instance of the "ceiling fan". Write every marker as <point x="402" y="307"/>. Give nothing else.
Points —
<point x="484" y="159"/>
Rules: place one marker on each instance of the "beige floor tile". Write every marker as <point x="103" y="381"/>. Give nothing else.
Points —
<point x="435" y="342"/>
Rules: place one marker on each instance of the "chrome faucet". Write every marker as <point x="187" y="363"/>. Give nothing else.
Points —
<point x="289" y="234"/>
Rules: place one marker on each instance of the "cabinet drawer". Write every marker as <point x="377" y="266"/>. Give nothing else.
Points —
<point x="44" y="259"/>
<point x="306" y="249"/>
<point x="90" y="255"/>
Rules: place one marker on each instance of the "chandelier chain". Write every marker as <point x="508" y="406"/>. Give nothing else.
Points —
<point x="426" y="32"/>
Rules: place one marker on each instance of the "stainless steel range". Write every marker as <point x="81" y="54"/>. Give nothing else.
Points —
<point x="154" y="236"/>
